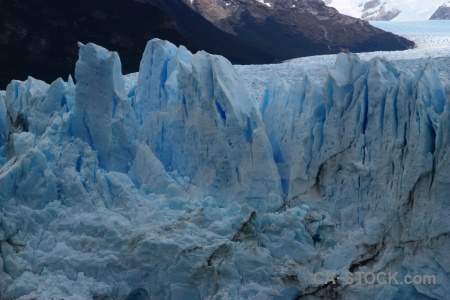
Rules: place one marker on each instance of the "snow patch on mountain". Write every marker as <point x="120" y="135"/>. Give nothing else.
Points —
<point x="265" y="3"/>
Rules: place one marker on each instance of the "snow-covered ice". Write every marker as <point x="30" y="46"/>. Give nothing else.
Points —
<point x="197" y="179"/>
<point x="431" y="37"/>
<point x="431" y="34"/>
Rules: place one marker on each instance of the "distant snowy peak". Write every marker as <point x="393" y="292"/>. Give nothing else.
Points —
<point x="442" y="13"/>
<point x="386" y="10"/>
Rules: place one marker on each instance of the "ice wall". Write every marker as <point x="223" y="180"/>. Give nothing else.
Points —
<point x="377" y="166"/>
<point x="198" y="118"/>
<point x="180" y="185"/>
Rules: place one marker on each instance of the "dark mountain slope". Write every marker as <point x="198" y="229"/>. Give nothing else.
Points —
<point x="205" y="36"/>
<point x="39" y="38"/>
<point x="293" y="28"/>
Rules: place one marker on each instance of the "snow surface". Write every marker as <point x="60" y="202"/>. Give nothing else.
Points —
<point x="432" y="34"/>
<point x="197" y="179"/>
<point x="263" y="2"/>
<point x="432" y="39"/>
<point x="411" y="10"/>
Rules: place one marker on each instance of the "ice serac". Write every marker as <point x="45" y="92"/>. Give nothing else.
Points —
<point x="23" y="111"/>
<point x="101" y="107"/>
<point x="3" y="124"/>
<point x="294" y="116"/>
<point x="376" y="168"/>
<point x="181" y="185"/>
<point x="199" y="119"/>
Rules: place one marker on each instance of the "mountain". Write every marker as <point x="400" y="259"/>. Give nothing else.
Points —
<point x="288" y="29"/>
<point x="442" y="13"/>
<point x="177" y="183"/>
<point x="386" y="10"/>
<point x="39" y="38"/>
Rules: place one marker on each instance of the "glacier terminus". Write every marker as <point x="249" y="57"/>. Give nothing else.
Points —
<point x="184" y="181"/>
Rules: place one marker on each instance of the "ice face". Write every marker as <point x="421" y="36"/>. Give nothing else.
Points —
<point x="377" y="158"/>
<point x="101" y="107"/>
<point x="3" y="123"/>
<point x="180" y="185"/>
<point x="197" y="118"/>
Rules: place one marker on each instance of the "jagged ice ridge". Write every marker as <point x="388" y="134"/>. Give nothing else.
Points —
<point x="183" y="185"/>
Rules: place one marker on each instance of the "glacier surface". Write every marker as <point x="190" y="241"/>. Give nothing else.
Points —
<point x="187" y="181"/>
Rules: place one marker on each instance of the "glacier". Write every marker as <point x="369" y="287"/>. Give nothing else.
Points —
<point x="187" y="182"/>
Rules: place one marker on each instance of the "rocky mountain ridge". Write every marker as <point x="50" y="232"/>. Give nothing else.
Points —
<point x="311" y="18"/>
<point x="39" y="39"/>
<point x="442" y="13"/>
<point x="287" y="29"/>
